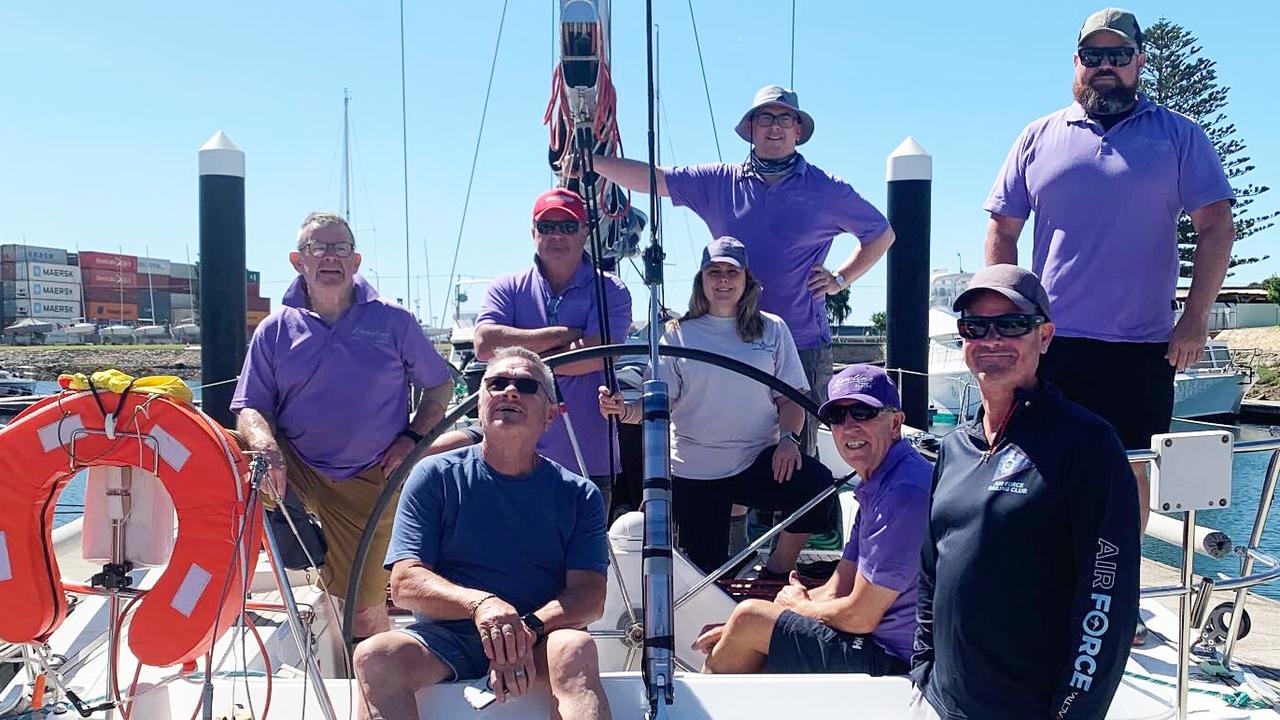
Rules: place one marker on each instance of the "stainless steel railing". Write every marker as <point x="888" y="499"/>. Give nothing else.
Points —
<point x="1186" y="591"/>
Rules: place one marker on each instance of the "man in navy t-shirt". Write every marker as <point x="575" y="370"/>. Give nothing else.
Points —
<point x="500" y="554"/>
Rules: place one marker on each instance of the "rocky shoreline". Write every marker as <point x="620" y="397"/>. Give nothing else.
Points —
<point x="46" y="363"/>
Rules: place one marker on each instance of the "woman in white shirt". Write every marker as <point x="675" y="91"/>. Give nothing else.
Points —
<point x="733" y="439"/>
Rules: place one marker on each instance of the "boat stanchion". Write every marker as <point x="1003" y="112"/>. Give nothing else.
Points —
<point x="298" y="629"/>
<point x="659" y="611"/>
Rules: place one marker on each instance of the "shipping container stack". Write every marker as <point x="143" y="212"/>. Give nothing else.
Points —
<point x="57" y="287"/>
<point x="110" y="287"/>
<point x="38" y="283"/>
<point x="256" y="307"/>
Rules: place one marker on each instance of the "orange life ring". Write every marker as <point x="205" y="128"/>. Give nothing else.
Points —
<point x="199" y="464"/>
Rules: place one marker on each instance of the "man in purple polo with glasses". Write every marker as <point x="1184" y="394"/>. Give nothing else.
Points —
<point x="863" y="620"/>
<point x="1108" y="178"/>
<point x="324" y="394"/>
<point x="551" y="308"/>
<point x="787" y="213"/>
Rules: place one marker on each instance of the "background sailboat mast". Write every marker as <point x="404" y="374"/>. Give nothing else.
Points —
<point x="345" y="199"/>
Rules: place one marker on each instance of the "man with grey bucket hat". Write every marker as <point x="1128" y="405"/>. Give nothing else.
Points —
<point x="1108" y="179"/>
<point x="1036" y="489"/>
<point x="787" y="213"/>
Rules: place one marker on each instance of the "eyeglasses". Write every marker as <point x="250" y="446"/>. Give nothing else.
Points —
<point x="764" y="119"/>
<point x="524" y="386"/>
<point x="1092" y="57"/>
<point x="564" y="227"/>
<point x="974" y="327"/>
<point x="837" y="414"/>
<point x="320" y="249"/>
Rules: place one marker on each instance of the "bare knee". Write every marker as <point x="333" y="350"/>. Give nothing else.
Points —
<point x="751" y="613"/>
<point x="571" y="657"/>
<point x="396" y="661"/>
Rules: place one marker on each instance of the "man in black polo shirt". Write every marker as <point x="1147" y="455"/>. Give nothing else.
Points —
<point x="1028" y="590"/>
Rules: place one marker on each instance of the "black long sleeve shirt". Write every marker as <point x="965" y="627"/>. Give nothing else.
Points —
<point x="1028" y="591"/>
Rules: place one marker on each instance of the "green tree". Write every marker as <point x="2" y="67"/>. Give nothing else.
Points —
<point x="880" y="321"/>
<point x="1272" y="286"/>
<point x="838" y="307"/>
<point x="1179" y="77"/>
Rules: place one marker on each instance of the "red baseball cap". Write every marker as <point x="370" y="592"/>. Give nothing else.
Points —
<point x="563" y="199"/>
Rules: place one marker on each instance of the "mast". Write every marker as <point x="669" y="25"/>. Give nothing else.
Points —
<point x="658" y="661"/>
<point x="344" y="201"/>
<point x="151" y="290"/>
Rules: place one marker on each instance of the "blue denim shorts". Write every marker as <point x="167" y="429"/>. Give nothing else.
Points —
<point x="456" y="643"/>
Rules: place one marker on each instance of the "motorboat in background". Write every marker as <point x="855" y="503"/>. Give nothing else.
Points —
<point x="1215" y="386"/>
<point x="16" y="384"/>
<point x="82" y="331"/>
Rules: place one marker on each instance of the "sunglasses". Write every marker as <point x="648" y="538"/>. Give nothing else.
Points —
<point x="320" y="249"/>
<point x="524" y="386"/>
<point x="564" y="227"/>
<point x="1091" y="57"/>
<point x="764" y="119"/>
<point x="975" y="327"/>
<point x="837" y="414"/>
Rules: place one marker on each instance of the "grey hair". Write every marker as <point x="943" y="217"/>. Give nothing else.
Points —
<point x="545" y="378"/>
<point x="318" y="220"/>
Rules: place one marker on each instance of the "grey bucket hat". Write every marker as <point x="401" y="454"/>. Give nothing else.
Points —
<point x="776" y="95"/>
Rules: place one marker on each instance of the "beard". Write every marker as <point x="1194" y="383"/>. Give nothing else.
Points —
<point x="1105" y="102"/>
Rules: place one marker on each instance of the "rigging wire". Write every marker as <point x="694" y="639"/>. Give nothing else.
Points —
<point x="404" y="151"/>
<point x="792" y="86"/>
<point x="475" y="156"/>
<point x="705" y="87"/>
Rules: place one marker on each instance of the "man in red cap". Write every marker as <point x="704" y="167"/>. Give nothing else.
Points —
<point x="551" y="308"/>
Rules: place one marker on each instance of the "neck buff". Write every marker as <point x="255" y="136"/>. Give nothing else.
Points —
<point x="761" y="166"/>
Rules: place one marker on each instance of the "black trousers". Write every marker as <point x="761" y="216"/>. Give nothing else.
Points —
<point x="1129" y="384"/>
<point x="701" y="507"/>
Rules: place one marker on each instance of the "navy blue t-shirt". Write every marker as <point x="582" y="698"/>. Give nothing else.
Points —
<point x="515" y="537"/>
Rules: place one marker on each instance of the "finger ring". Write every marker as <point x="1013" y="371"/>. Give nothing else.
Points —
<point x="508" y="630"/>
<point x="519" y="673"/>
<point x="495" y="631"/>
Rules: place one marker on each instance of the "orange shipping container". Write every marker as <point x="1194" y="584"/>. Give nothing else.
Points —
<point x="110" y="311"/>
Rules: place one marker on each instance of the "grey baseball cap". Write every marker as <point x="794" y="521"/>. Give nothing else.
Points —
<point x="1115" y="21"/>
<point x="776" y="95"/>
<point x="724" y="249"/>
<point x="1018" y="284"/>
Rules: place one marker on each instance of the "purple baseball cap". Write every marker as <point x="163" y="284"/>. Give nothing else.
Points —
<point x="867" y="384"/>
<point x="724" y="249"/>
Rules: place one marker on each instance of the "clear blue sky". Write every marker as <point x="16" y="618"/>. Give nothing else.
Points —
<point x="105" y="104"/>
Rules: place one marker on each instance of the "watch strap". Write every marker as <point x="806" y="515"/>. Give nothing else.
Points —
<point x="412" y="434"/>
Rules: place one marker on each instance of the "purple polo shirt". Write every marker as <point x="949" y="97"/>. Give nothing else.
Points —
<point x="893" y="515"/>
<point x="339" y="394"/>
<point x="1107" y="205"/>
<point x="524" y="301"/>
<point x="787" y="228"/>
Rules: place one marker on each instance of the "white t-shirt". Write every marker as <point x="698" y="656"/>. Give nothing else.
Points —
<point x="720" y="420"/>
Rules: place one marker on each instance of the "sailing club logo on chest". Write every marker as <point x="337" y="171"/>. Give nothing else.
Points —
<point x="1012" y="462"/>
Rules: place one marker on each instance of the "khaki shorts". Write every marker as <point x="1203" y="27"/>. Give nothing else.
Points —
<point x="343" y="508"/>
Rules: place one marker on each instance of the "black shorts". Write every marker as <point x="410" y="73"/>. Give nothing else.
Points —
<point x="1130" y="385"/>
<point x="800" y="644"/>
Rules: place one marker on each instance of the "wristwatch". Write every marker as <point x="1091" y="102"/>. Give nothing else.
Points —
<point x="792" y="437"/>
<point x="412" y="434"/>
<point x="840" y="281"/>
<point x="534" y="623"/>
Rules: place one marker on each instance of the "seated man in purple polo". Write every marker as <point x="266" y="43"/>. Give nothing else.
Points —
<point x="864" y="619"/>
<point x="324" y="393"/>
<point x="787" y="213"/>
<point x="550" y="308"/>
